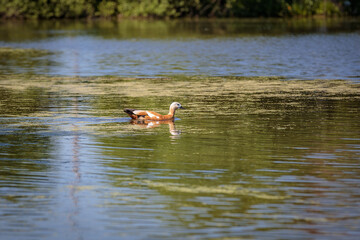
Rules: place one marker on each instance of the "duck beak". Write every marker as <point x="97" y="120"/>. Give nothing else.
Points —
<point x="182" y="107"/>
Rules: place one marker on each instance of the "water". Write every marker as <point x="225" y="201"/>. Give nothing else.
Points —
<point x="303" y="49"/>
<point x="249" y="157"/>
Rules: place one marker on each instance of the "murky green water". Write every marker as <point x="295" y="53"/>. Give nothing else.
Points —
<point x="249" y="158"/>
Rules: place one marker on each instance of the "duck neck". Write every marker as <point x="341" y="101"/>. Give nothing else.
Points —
<point x="172" y="111"/>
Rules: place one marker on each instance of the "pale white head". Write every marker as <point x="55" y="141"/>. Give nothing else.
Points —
<point x="176" y="105"/>
<point x="173" y="107"/>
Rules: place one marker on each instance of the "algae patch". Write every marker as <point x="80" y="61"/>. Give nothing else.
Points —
<point x="22" y="52"/>
<point x="19" y="60"/>
<point x="185" y="86"/>
<point x="225" y="189"/>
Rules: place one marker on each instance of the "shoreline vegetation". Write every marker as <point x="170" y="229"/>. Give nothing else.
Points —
<point x="164" y="9"/>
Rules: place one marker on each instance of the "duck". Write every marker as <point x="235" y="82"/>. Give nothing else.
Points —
<point x="154" y="116"/>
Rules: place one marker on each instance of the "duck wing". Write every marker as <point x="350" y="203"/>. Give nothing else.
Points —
<point x="142" y="114"/>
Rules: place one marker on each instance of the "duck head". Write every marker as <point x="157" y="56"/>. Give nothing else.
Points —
<point x="173" y="107"/>
<point x="176" y="105"/>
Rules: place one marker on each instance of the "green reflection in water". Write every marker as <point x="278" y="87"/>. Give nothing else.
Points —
<point x="15" y="31"/>
<point x="25" y="168"/>
<point x="25" y="59"/>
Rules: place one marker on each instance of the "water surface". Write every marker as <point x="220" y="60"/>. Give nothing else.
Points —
<point x="302" y="49"/>
<point x="249" y="158"/>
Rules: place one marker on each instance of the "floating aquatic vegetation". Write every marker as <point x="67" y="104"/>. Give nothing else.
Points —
<point x="187" y="86"/>
<point x="225" y="189"/>
<point x="23" y="52"/>
<point x="23" y="59"/>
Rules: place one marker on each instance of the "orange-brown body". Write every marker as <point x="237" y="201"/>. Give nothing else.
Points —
<point x="153" y="116"/>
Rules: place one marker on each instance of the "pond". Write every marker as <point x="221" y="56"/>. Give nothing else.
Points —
<point x="255" y="154"/>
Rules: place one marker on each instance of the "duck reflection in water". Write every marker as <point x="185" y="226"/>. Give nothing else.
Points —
<point x="154" y="124"/>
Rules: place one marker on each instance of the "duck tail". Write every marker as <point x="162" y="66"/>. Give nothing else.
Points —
<point x="129" y="111"/>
